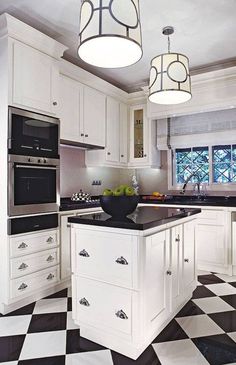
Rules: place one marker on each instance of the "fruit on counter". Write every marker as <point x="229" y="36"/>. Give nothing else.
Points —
<point x="156" y="193"/>
<point x="118" y="192"/>
<point x="129" y="191"/>
<point x="108" y="192"/>
<point x="123" y="187"/>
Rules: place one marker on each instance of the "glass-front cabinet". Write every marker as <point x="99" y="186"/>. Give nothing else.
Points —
<point x="138" y="135"/>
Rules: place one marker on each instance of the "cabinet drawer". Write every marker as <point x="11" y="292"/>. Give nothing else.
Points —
<point x="25" y="285"/>
<point x="211" y="217"/>
<point x="27" y="244"/>
<point x="21" y="266"/>
<point x="103" y="305"/>
<point x="105" y="256"/>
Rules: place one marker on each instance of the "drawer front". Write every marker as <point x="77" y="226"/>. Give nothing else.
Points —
<point x="27" y="284"/>
<point x="105" y="256"/>
<point x="27" y="244"/>
<point x="103" y="305"/>
<point x="22" y="266"/>
<point x="211" y="217"/>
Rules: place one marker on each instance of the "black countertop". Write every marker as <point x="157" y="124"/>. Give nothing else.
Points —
<point x="68" y="204"/>
<point x="218" y="201"/>
<point x="143" y="218"/>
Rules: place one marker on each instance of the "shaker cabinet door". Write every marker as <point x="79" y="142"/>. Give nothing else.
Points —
<point x="189" y="266"/>
<point x="113" y="130"/>
<point x="35" y="81"/>
<point x="71" y="109"/>
<point x="94" y="117"/>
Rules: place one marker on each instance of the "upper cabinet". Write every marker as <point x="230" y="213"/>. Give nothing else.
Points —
<point x="94" y="109"/>
<point x="113" y="131"/>
<point x="35" y="82"/>
<point x="82" y="113"/>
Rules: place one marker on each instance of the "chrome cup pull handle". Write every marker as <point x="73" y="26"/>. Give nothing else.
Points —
<point x="22" y="245"/>
<point x="177" y="239"/>
<point x="50" y="277"/>
<point x="50" y="258"/>
<point x="23" y="266"/>
<point x="186" y="260"/>
<point x="84" y="302"/>
<point x="122" y="261"/>
<point x="50" y="240"/>
<point x="84" y="253"/>
<point x="121" y="314"/>
<point x="23" y="286"/>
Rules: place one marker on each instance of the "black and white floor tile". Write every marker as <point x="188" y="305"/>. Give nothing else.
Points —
<point x="203" y="332"/>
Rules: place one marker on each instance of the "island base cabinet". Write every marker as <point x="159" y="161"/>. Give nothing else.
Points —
<point x="116" y="314"/>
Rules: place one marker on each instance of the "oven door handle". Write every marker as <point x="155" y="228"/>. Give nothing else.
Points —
<point x="36" y="167"/>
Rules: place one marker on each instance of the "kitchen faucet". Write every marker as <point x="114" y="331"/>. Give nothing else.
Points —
<point x="187" y="181"/>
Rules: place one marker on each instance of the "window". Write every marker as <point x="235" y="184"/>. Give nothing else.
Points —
<point x="190" y="161"/>
<point x="224" y="163"/>
<point x="215" y="164"/>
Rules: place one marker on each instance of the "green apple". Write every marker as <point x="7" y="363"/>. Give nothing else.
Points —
<point x="129" y="191"/>
<point x="118" y="192"/>
<point x="108" y="192"/>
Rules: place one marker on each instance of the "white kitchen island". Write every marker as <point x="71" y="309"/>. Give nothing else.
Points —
<point x="131" y="277"/>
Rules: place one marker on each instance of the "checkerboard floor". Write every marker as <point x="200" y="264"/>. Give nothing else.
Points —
<point x="203" y="332"/>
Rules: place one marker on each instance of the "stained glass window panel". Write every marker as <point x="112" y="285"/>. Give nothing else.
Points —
<point x="222" y="172"/>
<point x="221" y="153"/>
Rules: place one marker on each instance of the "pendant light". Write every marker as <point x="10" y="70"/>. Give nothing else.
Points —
<point x="170" y="81"/>
<point x="110" y="33"/>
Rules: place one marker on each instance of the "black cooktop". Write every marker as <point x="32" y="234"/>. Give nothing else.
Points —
<point x="68" y="204"/>
<point x="143" y="218"/>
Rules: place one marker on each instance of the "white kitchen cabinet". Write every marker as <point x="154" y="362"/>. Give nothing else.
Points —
<point x="123" y="133"/>
<point x="116" y="151"/>
<point x="113" y="131"/>
<point x="35" y="79"/>
<point x="71" y="110"/>
<point x="189" y="254"/>
<point x="128" y="286"/>
<point x="142" y="142"/>
<point x="94" y="110"/>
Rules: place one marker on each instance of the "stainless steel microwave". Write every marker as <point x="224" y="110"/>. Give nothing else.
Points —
<point x="32" y="134"/>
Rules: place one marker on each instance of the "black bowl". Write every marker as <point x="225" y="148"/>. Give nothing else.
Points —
<point x="119" y="206"/>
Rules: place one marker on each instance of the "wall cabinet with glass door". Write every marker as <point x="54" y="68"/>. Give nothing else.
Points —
<point x="143" y="150"/>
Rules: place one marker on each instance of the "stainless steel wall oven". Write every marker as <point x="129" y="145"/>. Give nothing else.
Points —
<point x="33" y="178"/>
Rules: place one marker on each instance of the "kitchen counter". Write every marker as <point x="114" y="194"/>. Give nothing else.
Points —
<point x="143" y="218"/>
<point x="214" y="201"/>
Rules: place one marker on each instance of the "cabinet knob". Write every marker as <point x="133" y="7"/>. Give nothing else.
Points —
<point x="81" y="134"/>
<point x="50" y="240"/>
<point x="169" y="272"/>
<point x="121" y="155"/>
<point x="145" y="155"/>
<point x="50" y="277"/>
<point x="50" y="258"/>
<point x="122" y="261"/>
<point x="23" y="266"/>
<point x="84" y="253"/>
<point x="86" y="135"/>
<point x="109" y="153"/>
<point x="54" y="103"/>
<point x="23" y="286"/>
<point x="121" y="314"/>
<point x="186" y="260"/>
<point x="84" y="302"/>
<point x="22" y="245"/>
<point x="177" y="239"/>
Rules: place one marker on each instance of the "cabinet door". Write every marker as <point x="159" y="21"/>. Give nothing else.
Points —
<point x="65" y="247"/>
<point x="157" y="280"/>
<point x="94" y="117"/>
<point x="189" y="267"/>
<point x="35" y="79"/>
<point x="113" y="131"/>
<point x="210" y="244"/>
<point x="71" y="109"/>
<point x="123" y="133"/>
<point x="139" y="135"/>
<point x="176" y="264"/>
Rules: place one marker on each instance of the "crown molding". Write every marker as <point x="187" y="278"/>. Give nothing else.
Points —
<point x="16" y="29"/>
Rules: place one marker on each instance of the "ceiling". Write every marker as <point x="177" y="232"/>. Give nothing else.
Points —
<point x="205" y="30"/>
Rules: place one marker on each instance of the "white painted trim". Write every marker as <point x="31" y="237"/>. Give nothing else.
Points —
<point x="16" y="29"/>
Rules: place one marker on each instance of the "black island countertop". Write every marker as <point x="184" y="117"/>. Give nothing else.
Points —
<point x="143" y="218"/>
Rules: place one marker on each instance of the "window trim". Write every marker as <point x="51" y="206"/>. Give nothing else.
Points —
<point x="210" y="186"/>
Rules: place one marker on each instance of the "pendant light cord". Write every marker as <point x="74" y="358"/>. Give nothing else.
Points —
<point x="168" y="44"/>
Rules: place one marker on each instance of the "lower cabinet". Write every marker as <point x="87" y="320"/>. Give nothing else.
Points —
<point x="126" y="287"/>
